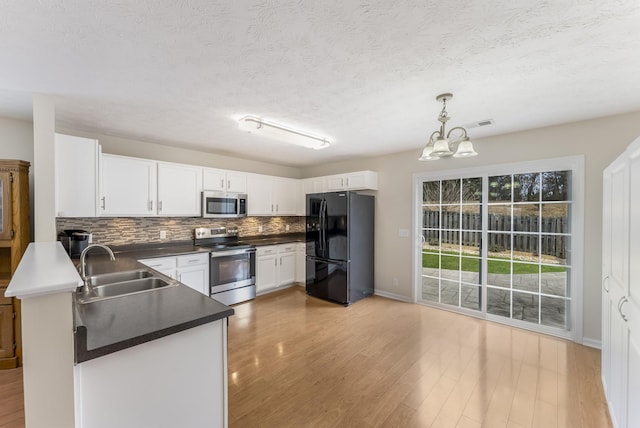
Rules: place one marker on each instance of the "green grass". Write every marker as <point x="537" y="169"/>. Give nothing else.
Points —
<point x="495" y="266"/>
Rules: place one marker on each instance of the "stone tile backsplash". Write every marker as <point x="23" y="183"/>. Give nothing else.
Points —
<point x="142" y="230"/>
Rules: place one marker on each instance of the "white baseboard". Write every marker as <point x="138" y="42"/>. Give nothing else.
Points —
<point x="392" y="296"/>
<point x="592" y="343"/>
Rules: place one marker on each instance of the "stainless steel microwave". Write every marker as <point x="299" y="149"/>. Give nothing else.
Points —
<point x="223" y="205"/>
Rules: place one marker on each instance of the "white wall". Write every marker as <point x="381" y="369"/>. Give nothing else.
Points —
<point x="600" y="140"/>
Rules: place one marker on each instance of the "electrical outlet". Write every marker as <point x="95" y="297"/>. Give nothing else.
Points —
<point x="287" y="227"/>
<point x="163" y="234"/>
<point x="259" y="229"/>
<point x="395" y="282"/>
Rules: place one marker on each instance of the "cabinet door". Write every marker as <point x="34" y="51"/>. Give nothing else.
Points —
<point x="5" y="205"/>
<point x="336" y="182"/>
<point x="179" y="188"/>
<point x="214" y="179"/>
<point x="6" y="331"/>
<point x="128" y="186"/>
<point x="76" y="176"/>
<point x="236" y="182"/>
<point x="285" y="193"/>
<point x="196" y="277"/>
<point x="286" y="268"/>
<point x="301" y="263"/>
<point x="259" y="194"/>
<point x="361" y="180"/>
<point x="266" y="276"/>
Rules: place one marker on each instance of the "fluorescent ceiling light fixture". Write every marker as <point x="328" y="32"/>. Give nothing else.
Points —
<point x="276" y="131"/>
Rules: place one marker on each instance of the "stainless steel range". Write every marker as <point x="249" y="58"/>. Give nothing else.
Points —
<point x="232" y="269"/>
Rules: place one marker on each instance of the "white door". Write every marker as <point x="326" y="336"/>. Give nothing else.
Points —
<point x="301" y="263"/>
<point x="287" y="268"/>
<point x="214" y="179"/>
<point x="285" y="192"/>
<point x="236" y="182"/>
<point x="259" y="194"/>
<point x="196" y="277"/>
<point x="76" y="176"/>
<point x="266" y="273"/>
<point x="179" y="188"/>
<point x="128" y="186"/>
<point x="336" y="182"/>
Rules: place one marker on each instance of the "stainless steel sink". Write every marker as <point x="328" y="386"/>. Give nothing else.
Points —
<point x="110" y="278"/>
<point x="118" y="284"/>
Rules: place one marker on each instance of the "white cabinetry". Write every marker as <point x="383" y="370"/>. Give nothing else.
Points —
<point x="190" y="269"/>
<point x="127" y="186"/>
<point x="179" y="188"/>
<point x="359" y="180"/>
<point x="621" y="287"/>
<point x="301" y="263"/>
<point x="193" y="270"/>
<point x="76" y="176"/>
<point x="224" y="181"/>
<point x="275" y="267"/>
<point x="269" y="195"/>
<point x="308" y="186"/>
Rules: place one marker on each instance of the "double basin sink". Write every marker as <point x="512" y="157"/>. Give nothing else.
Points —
<point x="118" y="284"/>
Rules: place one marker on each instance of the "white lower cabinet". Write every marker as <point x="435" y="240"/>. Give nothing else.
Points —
<point x="301" y="264"/>
<point x="190" y="269"/>
<point x="275" y="267"/>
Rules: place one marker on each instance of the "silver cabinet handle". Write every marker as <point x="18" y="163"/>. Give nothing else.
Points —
<point x="342" y="182"/>
<point x="271" y="207"/>
<point x="159" y="205"/>
<point x="222" y="183"/>
<point x="604" y="281"/>
<point x="104" y="203"/>
<point x="228" y="184"/>
<point x="621" y="303"/>
<point x="275" y="262"/>
<point x="276" y="207"/>
<point x="151" y="205"/>
<point x="347" y="181"/>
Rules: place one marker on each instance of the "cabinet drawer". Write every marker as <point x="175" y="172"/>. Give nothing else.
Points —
<point x="287" y="248"/>
<point x="193" y="259"/>
<point x="266" y="250"/>
<point x="160" y="263"/>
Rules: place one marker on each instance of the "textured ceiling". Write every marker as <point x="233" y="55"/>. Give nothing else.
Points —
<point x="362" y="73"/>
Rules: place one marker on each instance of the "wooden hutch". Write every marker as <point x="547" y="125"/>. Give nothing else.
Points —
<point x="14" y="238"/>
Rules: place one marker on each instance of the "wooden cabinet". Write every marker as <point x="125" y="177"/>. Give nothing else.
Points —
<point x="224" y="181"/>
<point x="14" y="238"/>
<point x="76" y="176"/>
<point x="275" y="267"/>
<point x="621" y="287"/>
<point x="179" y="188"/>
<point x="360" y="180"/>
<point x="269" y="195"/>
<point x="127" y="186"/>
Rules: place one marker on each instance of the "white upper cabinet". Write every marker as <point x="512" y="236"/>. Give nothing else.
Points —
<point x="307" y="186"/>
<point x="76" y="176"/>
<point x="224" y="181"/>
<point x="360" y="180"/>
<point x="179" y="188"/>
<point x="127" y="187"/>
<point x="269" y="195"/>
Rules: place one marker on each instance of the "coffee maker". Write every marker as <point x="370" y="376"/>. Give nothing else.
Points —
<point x="74" y="241"/>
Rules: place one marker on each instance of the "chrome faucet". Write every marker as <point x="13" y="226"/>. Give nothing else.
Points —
<point x="83" y="266"/>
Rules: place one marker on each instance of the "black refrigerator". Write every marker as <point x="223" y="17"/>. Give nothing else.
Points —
<point x="340" y="237"/>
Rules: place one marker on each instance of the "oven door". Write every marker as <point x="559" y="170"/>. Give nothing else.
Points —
<point x="232" y="269"/>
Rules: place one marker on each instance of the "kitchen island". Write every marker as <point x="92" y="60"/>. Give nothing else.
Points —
<point x="156" y="358"/>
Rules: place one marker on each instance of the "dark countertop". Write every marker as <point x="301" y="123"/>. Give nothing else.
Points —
<point x="110" y="325"/>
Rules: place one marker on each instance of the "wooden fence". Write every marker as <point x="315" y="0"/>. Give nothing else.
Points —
<point x="543" y="239"/>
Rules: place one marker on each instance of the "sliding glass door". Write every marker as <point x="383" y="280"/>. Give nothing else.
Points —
<point x="501" y="245"/>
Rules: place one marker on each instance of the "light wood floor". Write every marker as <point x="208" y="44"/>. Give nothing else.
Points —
<point x="11" y="399"/>
<point x="296" y="361"/>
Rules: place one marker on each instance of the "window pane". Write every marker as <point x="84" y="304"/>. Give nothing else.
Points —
<point x="431" y="192"/>
<point x="526" y="247"/>
<point x="555" y="218"/>
<point x="525" y="307"/>
<point x="471" y="243"/>
<point x="554" y="311"/>
<point x="500" y="217"/>
<point x="450" y="267"/>
<point x="471" y="270"/>
<point x="555" y="280"/>
<point x="526" y="276"/>
<point x="470" y="297"/>
<point x="449" y="292"/>
<point x="499" y="302"/>
<point x="431" y="261"/>
<point x="526" y="187"/>
<point x="500" y="188"/>
<point x="499" y="245"/>
<point x="555" y="185"/>
<point x="471" y="189"/>
<point x="431" y="216"/>
<point x="430" y="288"/>
<point x="451" y="191"/>
<point x="450" y="217"/>
<point x="526" y="217"/>
<point x="499" y="273"/>
<point x="431" y="240"/>
<point x="471" y="217"/>
<point x="554" y="249"/>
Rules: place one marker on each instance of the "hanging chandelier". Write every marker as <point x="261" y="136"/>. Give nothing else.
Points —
<point x="441" y="144"/>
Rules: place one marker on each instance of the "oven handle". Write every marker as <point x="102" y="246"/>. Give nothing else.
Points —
<point x="232" y="252"/>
